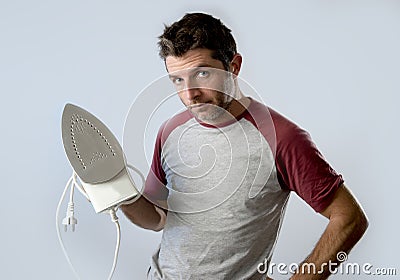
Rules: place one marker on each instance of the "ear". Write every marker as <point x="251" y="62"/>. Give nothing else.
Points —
<point x="236" y="64"/>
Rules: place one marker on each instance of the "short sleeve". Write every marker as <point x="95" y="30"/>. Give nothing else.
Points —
<point x="302" y="168"/>
<point x="156" y="181"/>
<point x="155" y="186"/>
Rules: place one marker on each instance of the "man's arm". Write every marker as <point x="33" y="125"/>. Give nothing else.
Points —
<point x="347" y="224"/>
<point x="145" y="214"/>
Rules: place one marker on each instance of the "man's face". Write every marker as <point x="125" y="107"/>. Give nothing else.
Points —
<point x="203" y="85"/>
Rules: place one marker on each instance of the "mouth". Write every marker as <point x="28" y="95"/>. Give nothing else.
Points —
<point x="199" y="105"/>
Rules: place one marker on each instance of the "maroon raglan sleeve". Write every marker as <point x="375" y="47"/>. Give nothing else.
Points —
<point x="301" y="167"/>
<point x="156" y="181"/>
<point x="155" y="187"/>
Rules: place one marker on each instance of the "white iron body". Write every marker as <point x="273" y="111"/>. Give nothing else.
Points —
<point x="104" y="196"/>
<point x="97" y="158"/>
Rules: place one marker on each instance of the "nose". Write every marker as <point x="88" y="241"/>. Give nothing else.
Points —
<point x="191" y="92"/>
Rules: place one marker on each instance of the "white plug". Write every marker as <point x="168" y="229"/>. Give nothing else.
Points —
<point x="70" y="219"/>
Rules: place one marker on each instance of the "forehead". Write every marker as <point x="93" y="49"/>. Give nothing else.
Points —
<point x="191" y="59"/>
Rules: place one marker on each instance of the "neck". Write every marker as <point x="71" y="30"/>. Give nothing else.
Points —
<point x="238" y="106"/>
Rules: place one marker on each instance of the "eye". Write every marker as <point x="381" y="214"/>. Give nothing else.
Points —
<point x="177" y="81"/>
<point x="203" y="74"/>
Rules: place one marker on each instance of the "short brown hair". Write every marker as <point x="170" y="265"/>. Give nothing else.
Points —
<point x="198" y="30"/>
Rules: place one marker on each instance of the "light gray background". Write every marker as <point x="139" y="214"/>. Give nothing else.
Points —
<point x="332" y="66"/>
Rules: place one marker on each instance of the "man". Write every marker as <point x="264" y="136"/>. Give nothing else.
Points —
<point x="223" y="170"/>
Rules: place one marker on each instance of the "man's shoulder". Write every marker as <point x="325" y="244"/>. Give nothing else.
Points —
<point x="172" y="123"/>
<point x="276" y="127"/>
<point x="259" y="110"/>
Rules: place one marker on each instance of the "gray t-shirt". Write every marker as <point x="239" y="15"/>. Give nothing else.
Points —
<point x="226" y="189"/>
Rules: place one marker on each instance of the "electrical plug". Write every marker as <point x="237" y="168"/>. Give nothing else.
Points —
<point x="70" y="219"/>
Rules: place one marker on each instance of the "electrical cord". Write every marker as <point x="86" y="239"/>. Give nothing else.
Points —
<point x="79" y="186"/>
<point x="114" y="219"/>
<point x="69" y="184"/>
<point x="71" y="220"/>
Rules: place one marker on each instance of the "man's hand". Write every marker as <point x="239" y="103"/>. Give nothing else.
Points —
<point x="347" y="224"/>
<point x="145" y="214"/>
